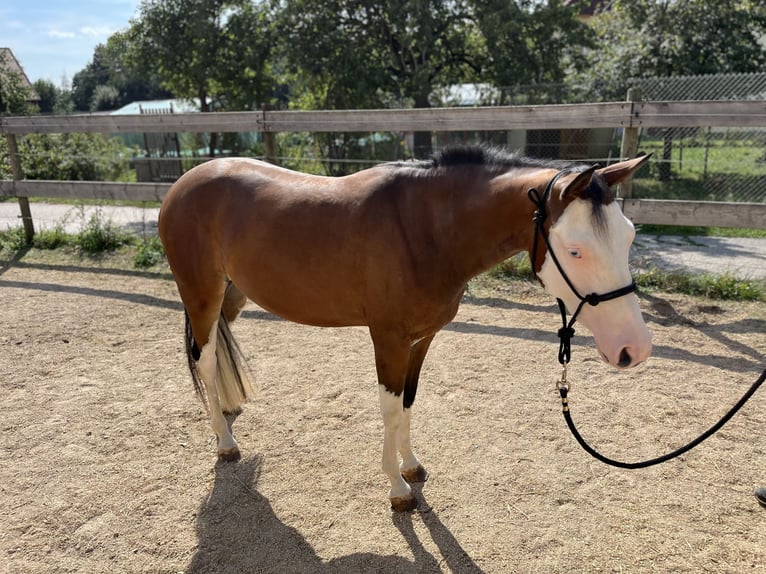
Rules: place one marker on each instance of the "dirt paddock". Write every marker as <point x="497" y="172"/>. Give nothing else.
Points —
<point x="108" y="463"/>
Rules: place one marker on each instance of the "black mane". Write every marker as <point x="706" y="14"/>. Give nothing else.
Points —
<point x="494" y="158"/>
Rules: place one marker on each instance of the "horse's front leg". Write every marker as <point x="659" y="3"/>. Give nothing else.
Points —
<point x="391" y="360"/>
<point x="392" y="410"/>
<point x="411" y="469"/>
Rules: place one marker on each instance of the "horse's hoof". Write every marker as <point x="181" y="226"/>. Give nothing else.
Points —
<point x="417" y="474"/>
<point x="404" y="503"/>
<point x="229" y="455"/>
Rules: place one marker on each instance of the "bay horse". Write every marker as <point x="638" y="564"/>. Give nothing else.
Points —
<point x="391" y="248"/>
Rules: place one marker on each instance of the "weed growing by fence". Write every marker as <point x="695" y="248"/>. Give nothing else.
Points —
<point x="149" y="252"/>
<point x="723" y="287"/>
<point x="99" y="235"/>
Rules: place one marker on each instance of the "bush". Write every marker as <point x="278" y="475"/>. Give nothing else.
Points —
<point x="150" y="252"/>
<point x="51" y="238"/>
<point x="99" y="235"/>
<point x="77" y="157"/>
<point x="13" y="239"/>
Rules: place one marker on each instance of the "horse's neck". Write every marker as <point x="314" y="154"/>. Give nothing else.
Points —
<point x="491" y="223"/>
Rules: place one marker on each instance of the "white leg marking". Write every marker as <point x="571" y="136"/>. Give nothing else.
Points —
<point x="409" y="460"/>
<point x="391" y="409"/>
<point x="207" y="370"/>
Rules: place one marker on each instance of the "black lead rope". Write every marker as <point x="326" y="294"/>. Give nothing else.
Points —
<point x="567" y="332"/>
<point x="564" y="389"/>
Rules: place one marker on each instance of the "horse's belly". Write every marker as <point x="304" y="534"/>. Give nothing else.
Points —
<point x="306" y="300"/>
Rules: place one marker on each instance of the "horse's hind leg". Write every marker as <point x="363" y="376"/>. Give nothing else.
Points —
<point x="411" y="469"/>
<point x="205" y="327"/>
<point x="228" y="449"/>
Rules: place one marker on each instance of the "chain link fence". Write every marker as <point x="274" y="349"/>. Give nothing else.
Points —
<point x="714" y="163"/>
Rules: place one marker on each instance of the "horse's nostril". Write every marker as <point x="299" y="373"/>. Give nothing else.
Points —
<point x="625" y="359"/>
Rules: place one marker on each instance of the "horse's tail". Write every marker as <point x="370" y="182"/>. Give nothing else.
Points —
<point x="232" y="380"/>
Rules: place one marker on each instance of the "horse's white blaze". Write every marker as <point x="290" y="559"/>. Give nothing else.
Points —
<point x="207" y="365"/>
<point x="597" y="262"/>
<point x="391" y="408"/>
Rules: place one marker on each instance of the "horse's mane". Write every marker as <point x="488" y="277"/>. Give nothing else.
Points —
<point x="489" y="157"/>
<point x="498" y="159"/>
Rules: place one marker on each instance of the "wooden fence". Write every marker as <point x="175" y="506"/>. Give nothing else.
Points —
<point x="631" y="116"/>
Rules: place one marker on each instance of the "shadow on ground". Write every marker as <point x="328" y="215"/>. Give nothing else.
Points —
<point x="238" y="532"/>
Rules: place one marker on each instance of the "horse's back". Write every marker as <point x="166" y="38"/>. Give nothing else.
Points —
<point x="296" y="244"/>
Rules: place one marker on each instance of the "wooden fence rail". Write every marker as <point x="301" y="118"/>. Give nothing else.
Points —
<point x="629" y="115"/>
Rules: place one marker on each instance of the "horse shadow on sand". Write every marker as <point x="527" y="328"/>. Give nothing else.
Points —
<point x="239" y="533"/>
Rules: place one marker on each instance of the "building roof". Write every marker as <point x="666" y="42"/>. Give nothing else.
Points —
<point x="9" y="61"/>
<point x="158" y="106"/>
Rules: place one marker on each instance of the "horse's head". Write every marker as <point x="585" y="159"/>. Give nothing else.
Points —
<point x="591" y="239"/>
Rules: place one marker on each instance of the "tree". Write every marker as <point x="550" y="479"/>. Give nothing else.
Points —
<point x="53" y="100"/>
<point x="112" y="69"/>
<point x="202" y="49"/>
<point x="214" y="51"/>
<point x="528" y="42"/>
<point x="13" y="92"/>
<point x="374" y="54"/>
<point x="398" y="52"/>
<point x="648" y="38"/>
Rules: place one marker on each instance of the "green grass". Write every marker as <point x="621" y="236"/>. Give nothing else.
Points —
<point x="97" y="237"/>
<point x="724" y="156"/>
<point x="724" y="287"/>
<point x="149" y="252"/>
<point x="686" y="231"/>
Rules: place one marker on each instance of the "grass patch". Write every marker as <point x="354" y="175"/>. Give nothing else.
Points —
<point x="51" y="238"/>
<point x="517" y="267"/>
<point x="700" y="231"/>
<point x="724" y="287"/>
<point x="99" y="235"/>
<point x="149" y="253"/>
<point x="13" y="240"/>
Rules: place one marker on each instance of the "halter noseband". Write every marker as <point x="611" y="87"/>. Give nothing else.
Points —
<point x="566" y="332"/>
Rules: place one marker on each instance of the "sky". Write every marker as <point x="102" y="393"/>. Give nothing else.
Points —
<point x="55" y="39"/>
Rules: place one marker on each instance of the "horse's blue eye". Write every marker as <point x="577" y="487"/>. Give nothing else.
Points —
<point x="575" y="253"/>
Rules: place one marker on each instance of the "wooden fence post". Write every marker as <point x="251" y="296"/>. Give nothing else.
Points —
<point x="18" y="174"/>
<point x="629" y="145"/>
<point x="269" y="137"/>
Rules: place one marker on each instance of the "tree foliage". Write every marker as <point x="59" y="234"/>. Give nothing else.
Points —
<point x="111" y="70"/>
<point x="13" y="92"/>
<point x="69" y="157"/>
<point x="646" y="38"/>
<point x="213" y="50"/>
<point x="397" y="53"/>
<point x="527" y="42"/>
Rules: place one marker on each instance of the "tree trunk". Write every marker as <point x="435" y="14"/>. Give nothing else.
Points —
<point x="205" y="108"/>
<point x="422" y="145"/>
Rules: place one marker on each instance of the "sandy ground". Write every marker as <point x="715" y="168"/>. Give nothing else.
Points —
<point x="108" y="464"/>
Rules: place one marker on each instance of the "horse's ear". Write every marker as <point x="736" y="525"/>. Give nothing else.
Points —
<point x="619" y="172"/>
<point x="578" y="183"/>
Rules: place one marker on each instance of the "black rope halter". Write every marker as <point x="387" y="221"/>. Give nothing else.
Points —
<point x="567" y="331"/>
